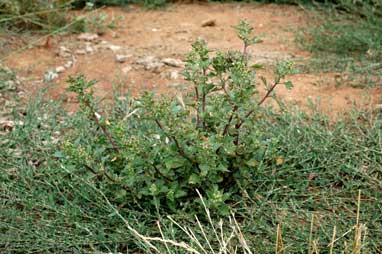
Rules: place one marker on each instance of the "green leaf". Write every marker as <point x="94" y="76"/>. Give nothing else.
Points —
<point x="194" y="179"/>
<point x="257" y="66"/>
<point x="252" y="163"/>
<point x="175" y="162"/>
<point x="204" y="169"/>
<point x="288" y="85"/>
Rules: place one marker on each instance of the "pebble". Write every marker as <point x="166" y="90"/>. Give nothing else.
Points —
<point x="173" y="62"/>
<point x="114" y="48"/>
<point x="68" y="64"/>
<point x="209" y="22"/>
<point x="151" y="63"/>
<point x="64" y="52"/>
<point x="87" y="37"/>
<point x="126" y="69"/>
<point x="174" y="75"/>
<point x="89" y="49"/>
<point x="121" y="58"/>
<point x="60" y="69"/>
<point x="80" y="52"/>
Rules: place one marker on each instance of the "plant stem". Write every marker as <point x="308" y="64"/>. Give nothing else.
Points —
<point x="277" y="81"/>
<point x="103" y="128"/>
<point x="179" y="148"/>
<point x="99" y="177"/>
<point x="235" y="108"/>
<point x="249" y="113"/>
<point x="197" y="109"/>
<point x="161" y="174"/>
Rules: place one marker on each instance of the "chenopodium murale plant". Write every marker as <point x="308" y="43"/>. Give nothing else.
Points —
<point x="206" y="139"/>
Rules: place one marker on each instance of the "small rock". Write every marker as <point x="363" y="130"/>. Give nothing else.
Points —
<point x="50" y="76"/>
<point x="87" y="37"/>
<point x="60" y="69"/>
<point x="121" y="58"/>
<point x="173" y="62"/>
<point x="174" y="75"/>
<point x="114" y="48"/>
<point x="114" y="34"/>
<point x="209" y="22"/>
<point x="155" y="29"/>
<point x="80" y="52"/>
<point x="126" y="69"/>
<point x="64" y="52"/>
<point x="151" y="63"/>
<point x="68" y="64"/>
<point x="89" y="49"/>
<point x="154" y="67"/>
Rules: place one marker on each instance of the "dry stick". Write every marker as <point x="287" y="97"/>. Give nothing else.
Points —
<point x="310" y="250"/>
<point x="279" y="241"/>
<point x="358" y="229"/>
<point x="162" y="235"/>
<point x="208" y="216"/>
<point x="333" y="238"/>
<point x="204" y="234"/>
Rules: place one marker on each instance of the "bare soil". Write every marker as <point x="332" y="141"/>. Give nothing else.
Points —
<point x="168" y="34"/>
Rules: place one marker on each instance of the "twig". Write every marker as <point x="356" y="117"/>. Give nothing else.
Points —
<point x="197" y="109"/>
<point x="161" y="174"/>
<point x="179" y="148"/>
<point x="103" y="128"/>
<point x="235" y="108"/>
<point x="99" y="177"/>
<point x="269" y="92"/>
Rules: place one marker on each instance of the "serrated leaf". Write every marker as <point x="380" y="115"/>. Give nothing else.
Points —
<point x="172" y="163"/>
<point x="194" y="179"/>
<point x="204" y="169"/>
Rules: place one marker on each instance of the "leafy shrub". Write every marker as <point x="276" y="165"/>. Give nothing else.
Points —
<point x="162" y="149"/>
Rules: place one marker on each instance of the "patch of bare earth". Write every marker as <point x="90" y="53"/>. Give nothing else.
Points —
<point x="133" y="54"/>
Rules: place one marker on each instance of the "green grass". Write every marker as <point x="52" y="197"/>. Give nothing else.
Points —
<point x="47" y="208"/>
<point x="345" y="38"/>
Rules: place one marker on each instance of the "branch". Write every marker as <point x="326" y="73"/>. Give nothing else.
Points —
<point x="197" y="109"/>
<point x="99" y="177"/>
<point x="180" y="149"/>
<point x="103" y="128"/>
<point x="269" y="92"/>
<point x="238" y="125"/>
<point x="235" y="108"/>
<point x="161" y="174"/>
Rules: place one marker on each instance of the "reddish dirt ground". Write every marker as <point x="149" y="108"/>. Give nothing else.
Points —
<point x="168" y="34"/>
